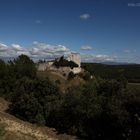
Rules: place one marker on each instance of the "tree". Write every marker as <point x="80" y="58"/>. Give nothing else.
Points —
<point x="3" y="76"/>
<point x="24" y="66"/>
<point x="3" y="69"/>
<point x="33" y="99"/>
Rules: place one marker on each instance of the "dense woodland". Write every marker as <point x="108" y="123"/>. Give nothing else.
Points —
<point x="101" y="109"/>
<point x="130" y="72"/>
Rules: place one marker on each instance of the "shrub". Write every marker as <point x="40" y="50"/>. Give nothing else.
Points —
<point x="71" y="75"/>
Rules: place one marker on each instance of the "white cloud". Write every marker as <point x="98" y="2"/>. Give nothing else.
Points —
<point x="85" y="16"/>
<point x="97" y="58"/>
<point x="17" y="47"/>
<point x="133" y="4"/>
<point x="38" y="22"/>
<point x="127" y="51"/>
<point x="35" y="42"/>
<point x="48" y="51"/>
<point x="3" y="47"/>
<point x="37" y="50"/>
<point x="86" y="47"/>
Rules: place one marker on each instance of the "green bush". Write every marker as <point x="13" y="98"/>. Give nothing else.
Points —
<point x="31" y="99"/>
<point x="64" y="63"/>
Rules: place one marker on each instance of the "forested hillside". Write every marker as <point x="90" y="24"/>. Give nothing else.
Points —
<point x="130" y="72"/>
<point x="99" y="109"/>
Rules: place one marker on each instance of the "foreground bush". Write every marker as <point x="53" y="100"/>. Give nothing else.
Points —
<point x="33" y="99"/>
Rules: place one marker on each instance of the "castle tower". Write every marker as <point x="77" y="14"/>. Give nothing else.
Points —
<point x="75" y="57"/>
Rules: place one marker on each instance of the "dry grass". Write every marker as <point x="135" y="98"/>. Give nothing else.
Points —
<point x="64" y="83"/>
<point x="12" y="128"/>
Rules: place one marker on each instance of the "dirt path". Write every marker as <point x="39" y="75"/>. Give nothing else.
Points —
<point x="17" y="129"/>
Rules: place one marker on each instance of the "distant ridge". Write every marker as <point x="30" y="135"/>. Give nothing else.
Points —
<point x="6" y="59"/>
<point x="112" y="63"/>
<point x="118" y="63"/>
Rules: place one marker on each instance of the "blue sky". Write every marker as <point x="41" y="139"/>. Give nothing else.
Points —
<point x="100" y="30"/>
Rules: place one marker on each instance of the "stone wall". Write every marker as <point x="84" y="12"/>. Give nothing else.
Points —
<point x="66" y="70"/>
<point x="44" y="66"/>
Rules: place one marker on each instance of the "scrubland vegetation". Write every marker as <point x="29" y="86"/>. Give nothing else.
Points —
<point x="101" y="108"/>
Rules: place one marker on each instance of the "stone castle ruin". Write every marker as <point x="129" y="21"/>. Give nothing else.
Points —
<point x="75" y="57"/>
